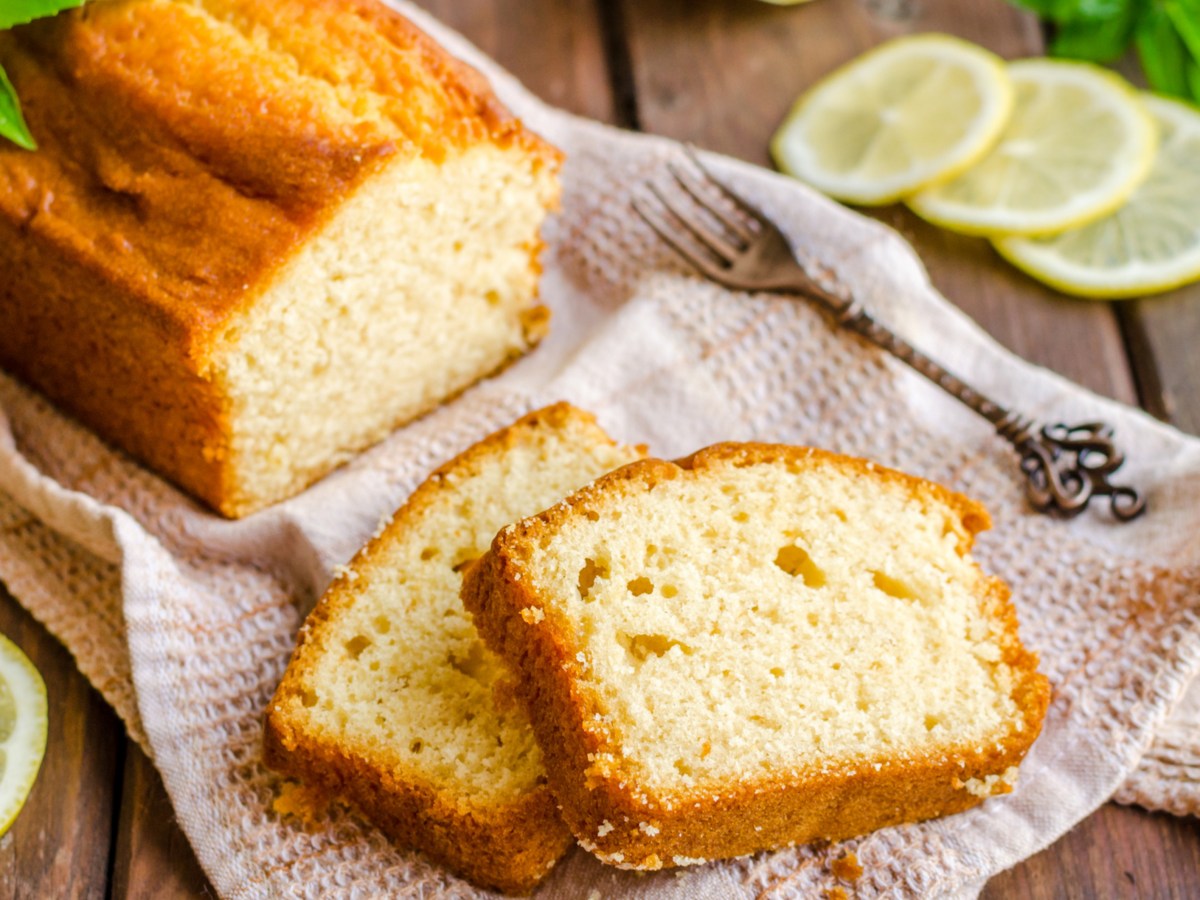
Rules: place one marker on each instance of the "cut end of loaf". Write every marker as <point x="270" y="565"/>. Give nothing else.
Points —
<point x="422" y="283"/>
<point x="392" y="700"/>
<point x="279" y="230"/>
<point x="757" y="647"/>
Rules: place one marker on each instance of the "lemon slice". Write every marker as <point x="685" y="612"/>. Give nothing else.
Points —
<point x="22" y="729"/>
<point x="1078" y="143"/>
<point x="1150" y="244"/>
<point x="908" y="113"/>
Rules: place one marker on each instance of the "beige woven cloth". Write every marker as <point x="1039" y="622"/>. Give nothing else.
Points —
<point x="184" y="622"/>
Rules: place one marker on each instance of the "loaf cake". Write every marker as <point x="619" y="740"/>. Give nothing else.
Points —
<point x="756" y="647"/>
<point x="390" y="699"/>
<point x="257" y="236"/>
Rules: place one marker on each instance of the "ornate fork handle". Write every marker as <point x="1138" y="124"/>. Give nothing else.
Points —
<point x="1065" y="465"/>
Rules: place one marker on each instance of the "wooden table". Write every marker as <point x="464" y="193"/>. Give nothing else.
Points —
<point x="720" y="73"/>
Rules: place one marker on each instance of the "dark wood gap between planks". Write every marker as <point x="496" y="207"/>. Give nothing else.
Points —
<point x="620" y="66"/>
<point x="118" y="814"/>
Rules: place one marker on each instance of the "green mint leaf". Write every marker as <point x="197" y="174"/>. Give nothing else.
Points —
<point x="1054" y="10"/>
<point x="12" y="123"/>
<point x="1193" y="78"/>
<point x="1062" y="12"/>
<point x="1185" y="16"/>
<point x="1095" y="41"/>
<point x="1103" y="10"/>
<point x="1041" y="7"/>
<point x="18" y="12"/>
<point x="1163" y="55"/>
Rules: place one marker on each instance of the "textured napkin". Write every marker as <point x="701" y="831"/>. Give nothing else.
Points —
<point x="185" y="622"/>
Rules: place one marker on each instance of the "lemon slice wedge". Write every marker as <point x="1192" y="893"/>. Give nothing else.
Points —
<point x="1150" y="244"/>
<point x="1078" y="143"/>
<point x="907" y="114"/>
<point x="22" y="729"/>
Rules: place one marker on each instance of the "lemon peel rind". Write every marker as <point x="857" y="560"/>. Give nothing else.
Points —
<point x="21" y="770"/>
<point x="1110" y="283"/>
<point x="1112" y="287"/>
<point x="1003" y="226"/>
<point x="1002" y="97"/>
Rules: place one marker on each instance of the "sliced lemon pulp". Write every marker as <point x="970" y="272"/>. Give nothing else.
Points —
<point x="22" y="729"/>
<point x="909" y="113"/>
<point x="1078" y="144"/>
<point x="1150" y="244"/>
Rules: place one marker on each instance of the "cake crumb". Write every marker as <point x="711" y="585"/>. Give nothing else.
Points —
<point x="381" y="526"/>
<point x="532" y="615"/>
<point x="836" y="893"/>
<point x="605" y="827"/>
<point x="302" y="802"/>
<point x="647" y="829"/>
<point x="688" y="860"/>
<point x="846" y="868"/>
<point x="990" y="785"/>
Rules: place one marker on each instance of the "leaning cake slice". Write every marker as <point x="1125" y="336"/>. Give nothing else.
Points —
<point x="390" y="699"/>
<point x="756" y="647"/>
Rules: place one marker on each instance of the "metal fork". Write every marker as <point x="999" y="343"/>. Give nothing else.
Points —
<point x="1065" y="466"/>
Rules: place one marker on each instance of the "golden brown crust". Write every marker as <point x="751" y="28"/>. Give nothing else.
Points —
<point x="180" y="167"/>
<point x="601" y="801"/>
<point x="510" y="847"/>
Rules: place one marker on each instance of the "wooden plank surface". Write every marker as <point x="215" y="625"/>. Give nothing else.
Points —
<point x="152" y="857"/>
<point x="59" y="845"/>
<point x="1164" y="343"/>
<point x="557" y="48"/>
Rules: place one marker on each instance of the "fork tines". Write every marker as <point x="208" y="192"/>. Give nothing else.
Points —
<point x="718" y="243"/>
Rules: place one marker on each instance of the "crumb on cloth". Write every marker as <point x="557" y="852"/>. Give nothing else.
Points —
<point x="309" y="805"/>
<point x="847" y="868"/>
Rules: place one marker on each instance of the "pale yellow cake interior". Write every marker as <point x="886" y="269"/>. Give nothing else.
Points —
<point x="402" y="679"/>
<point x="750" y="622"/>
<point x="423" y="282"/>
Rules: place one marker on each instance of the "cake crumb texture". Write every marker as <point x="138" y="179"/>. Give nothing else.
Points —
<point x="392" y="701"/>
<point x="759" y="646"/>
<point x="256" y="237"/>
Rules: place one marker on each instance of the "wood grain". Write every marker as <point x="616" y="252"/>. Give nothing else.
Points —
<point x="59" y="845"/>
<point x="152" y="857"/>
<point x="555" y="47"/>
<point x="1118" y="852"/>
<point x="1164" y="337"/>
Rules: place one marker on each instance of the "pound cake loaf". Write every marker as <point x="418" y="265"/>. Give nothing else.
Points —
<point x="756" y="647"/>
<point x="257" y="236"/>
<point x="390" y="699"/>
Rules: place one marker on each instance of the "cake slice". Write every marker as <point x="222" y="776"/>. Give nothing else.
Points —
<point x="243" y="216"/>
<point x="755" y="647"/>
<point x="390" y="699"/>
